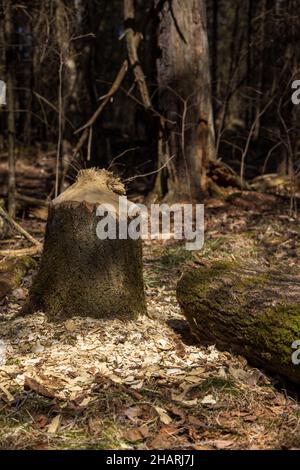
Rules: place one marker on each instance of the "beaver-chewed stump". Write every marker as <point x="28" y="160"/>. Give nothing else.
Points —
<point x="249" y="310"/>
<point x="82" y="274"/>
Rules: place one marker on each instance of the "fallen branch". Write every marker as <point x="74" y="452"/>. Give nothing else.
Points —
<point x="30" y="200"/>
<point x="151" y="172"/>
<point x="114" y="88"/>
<point x="18" y="227"/>
<point x="133" y="40"/>
<point x="33" y="250"/>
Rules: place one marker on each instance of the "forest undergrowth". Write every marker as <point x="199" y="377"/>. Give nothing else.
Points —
<point x="92" y="384"/>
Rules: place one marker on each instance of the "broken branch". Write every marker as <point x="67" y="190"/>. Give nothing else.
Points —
<point x="18" y="227"/>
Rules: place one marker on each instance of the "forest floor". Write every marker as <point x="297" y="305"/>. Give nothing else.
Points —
<point x="89" y="384"/>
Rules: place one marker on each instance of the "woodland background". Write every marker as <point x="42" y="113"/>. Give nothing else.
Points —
<point x="60" y="57"/>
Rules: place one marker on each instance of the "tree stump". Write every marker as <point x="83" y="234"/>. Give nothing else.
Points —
<point x="80" y="274"/>
<point x="252" y="311"/>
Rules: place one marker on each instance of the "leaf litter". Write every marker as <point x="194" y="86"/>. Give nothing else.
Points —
<point x="88" y="383"/>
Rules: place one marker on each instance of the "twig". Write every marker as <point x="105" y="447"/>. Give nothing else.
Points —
<point x="121" y="155"/>
<point x="52" y="106"/>
<point x="33" y="250"/>
<point x="114" y="88"/>
<point x="18" y="227"/>
<point x="89" y="154"/>
<point x="245" y="152"/>
<point x="151" y="172"/>
<point x="154" y="111"/>
<point x="31" y="200"/>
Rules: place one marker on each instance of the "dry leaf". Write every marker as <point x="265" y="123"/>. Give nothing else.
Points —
<point x="8" y="396"/>
<point x="133" y="412"/>
<point x="137" y="434"/>
<point x="35" y="385"/>
<point x="170" y="429"/>
<point x="144" y="431"/>
<point x="222" y="444"/>
<point x="41" y="422"/>
<point x="195" y="421"/>
<point x="250" y="418"/>
<point x="178" y="412"/>
<point x="70" y="325"/>
<point x="54" y="425"/>
<point x="37" y="348"/>
<point x="164" y="345"/>
<point x="163" y="415"/>
<point x="85" y="402"/>
<point x="161" y="441"/>
<point x="208" y="400"/>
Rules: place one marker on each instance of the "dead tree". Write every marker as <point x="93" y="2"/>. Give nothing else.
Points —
<point x="80" y="273"/>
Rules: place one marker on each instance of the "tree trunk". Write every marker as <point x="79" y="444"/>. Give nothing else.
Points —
<point x="81" y="274"/>
<point x="214" y="52"/>
<point x="185" y="96"/>
<point x="249" y="107"/>
<point x="246" y="309"/>
<point x="10" y="77"/>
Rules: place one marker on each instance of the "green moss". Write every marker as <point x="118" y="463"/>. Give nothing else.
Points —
<point x="174" y="257"/>
<point x="12" y="361"/>
<point x="12" y="271"/>
<point x="246" y="309"/>
<point x="219" y="384"/>
<point x="276" y="330"/>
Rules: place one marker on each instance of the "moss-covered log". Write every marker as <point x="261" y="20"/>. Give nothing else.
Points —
<point x="12" y="271"/>
<point x="251" y="311"/>
<point x="81" y="274"/>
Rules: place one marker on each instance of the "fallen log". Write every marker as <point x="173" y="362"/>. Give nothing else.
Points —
<point x="251" y="311"/>
<point x="12" y="271"/>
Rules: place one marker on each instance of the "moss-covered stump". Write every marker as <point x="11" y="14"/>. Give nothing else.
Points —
<point x="12" y="271"/>
<point x="81" y="274"/>
<point x="251" y="311"/>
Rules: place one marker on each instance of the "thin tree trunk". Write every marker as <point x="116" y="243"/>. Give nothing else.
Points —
<point x="261" y="69"/>
<point x="249" y="108"/>
<point x="215" y="42"/>
<point x="10" y="72"/>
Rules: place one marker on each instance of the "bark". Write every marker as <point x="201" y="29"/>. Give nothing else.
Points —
<point x="214" y="53"/>
<point x="251" y="311"/>
<point x="263" y="13"/>
<point x="133" y="39"/>
<point x="185" y="95"/>
<point x="10" y="77"/>
<point x="12" y="271"/>
<point x="79" y="273"/>
<point x="250" y="107"/>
